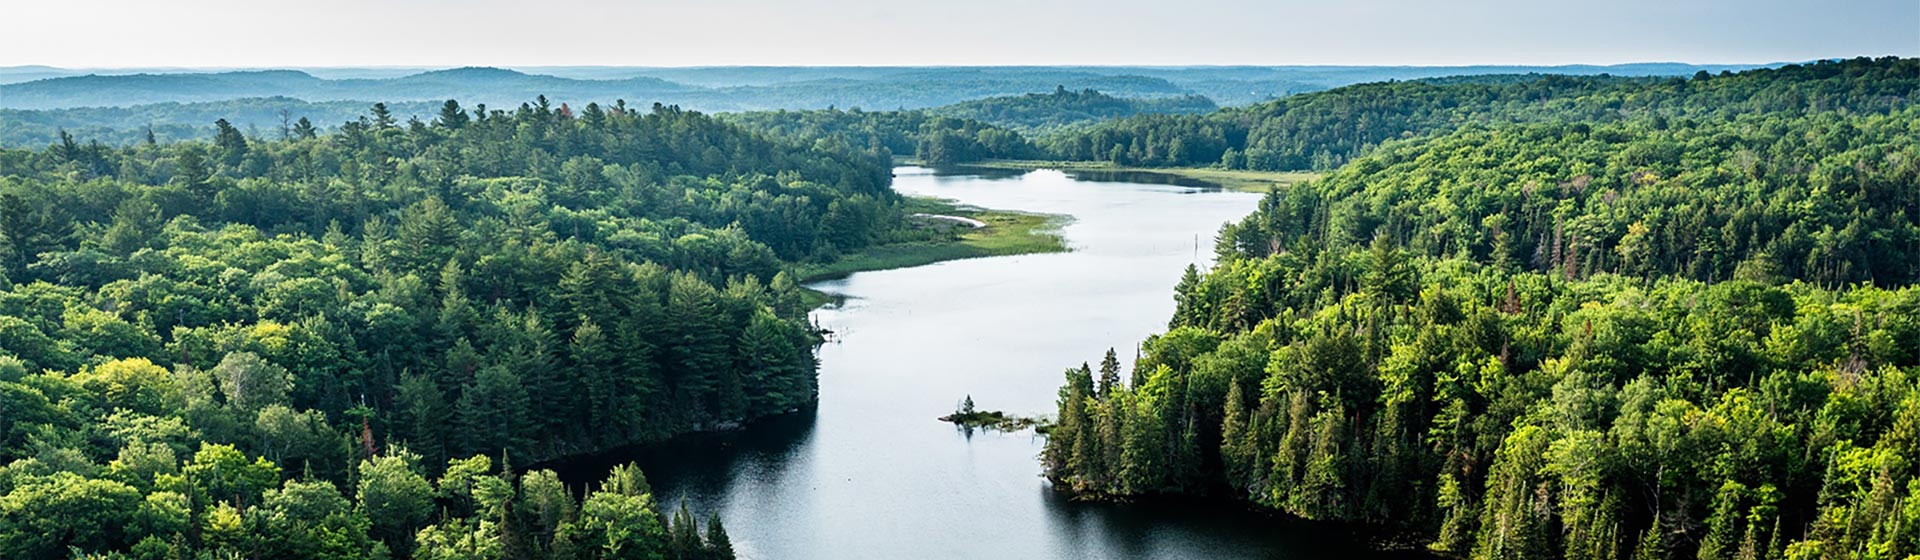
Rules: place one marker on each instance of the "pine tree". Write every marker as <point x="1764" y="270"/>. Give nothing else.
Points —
<point x="451" y="117"/>
<point x="1109" y="374"/>
<point x="428" y="234"/>
<point x="696" y="349"/>
<point x="304" y="129"/>
<point x="136" y="225"/>
<point x="191" y="171"/>
<point x="1653" y="542"/>
<point x="1323" y="487"/>
<point x="1236" y="442"/>
<point x="1188" y="310"/>
<point x="1723" y="525"/>
<point x="1389" y="276"/>
<point x="382" y="118"/>
<point x="683" y="536"/>
<point x="593" y="365"/>
<point x="719" y="547"/>
<point x="493" y="414"/>
<point x="231" y="144"/>
<point x="420" y="416"/>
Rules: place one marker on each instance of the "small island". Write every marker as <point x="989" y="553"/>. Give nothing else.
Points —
<point x="968" y="417"/>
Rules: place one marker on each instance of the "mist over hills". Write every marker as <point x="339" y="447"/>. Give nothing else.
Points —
<point x="117" y="106"/>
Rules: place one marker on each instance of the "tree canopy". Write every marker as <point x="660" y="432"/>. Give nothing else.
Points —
<point x="1587" y="337"/>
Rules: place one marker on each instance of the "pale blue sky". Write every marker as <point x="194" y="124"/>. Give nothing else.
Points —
<point x="130" y="33"/>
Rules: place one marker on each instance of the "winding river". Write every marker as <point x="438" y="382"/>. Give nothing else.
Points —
<point x="870" y="474"/>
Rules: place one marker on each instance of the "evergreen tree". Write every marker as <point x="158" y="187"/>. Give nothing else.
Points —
<point x="304" y="129"/>
<point x="451" y="116"/>
<point x="231" y="145"/>
<point x="1109" y="374"/>
<point x="719" y="547"/>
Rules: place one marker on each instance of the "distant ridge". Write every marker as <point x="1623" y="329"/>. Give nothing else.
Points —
<point x="728" y="88"/>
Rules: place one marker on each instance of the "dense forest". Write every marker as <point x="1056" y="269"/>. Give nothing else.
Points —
<point x="925" y="136"/>
<point x="983" y="129"/>
<point x="258" y="117"/>
<point x="269" y="348"/>
<point x="1323" y="130"/>
<point x="1039" y="112"/>
<point x="1677" y="320"/>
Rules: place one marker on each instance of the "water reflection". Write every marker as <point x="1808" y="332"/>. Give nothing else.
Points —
<point x="1090" y="175"/>
<point x="871" y="472"/>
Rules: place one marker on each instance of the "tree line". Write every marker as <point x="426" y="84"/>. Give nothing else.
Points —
<point x="1324" y="130"/>
<point x="923" y="135"/>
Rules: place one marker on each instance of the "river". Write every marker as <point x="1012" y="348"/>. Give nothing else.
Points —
<point x="871" y="474"/>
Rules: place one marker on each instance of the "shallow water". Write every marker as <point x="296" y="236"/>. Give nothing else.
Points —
<point x="872" y="474"/>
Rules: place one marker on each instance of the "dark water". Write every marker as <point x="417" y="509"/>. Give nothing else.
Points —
<point x="871" y="474"/>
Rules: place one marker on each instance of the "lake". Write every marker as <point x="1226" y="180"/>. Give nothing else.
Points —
<point x="871" y="473"/>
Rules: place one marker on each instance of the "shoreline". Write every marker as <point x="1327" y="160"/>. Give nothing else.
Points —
<point x="1240" y="180"/>
<point x="1001" y="233"/>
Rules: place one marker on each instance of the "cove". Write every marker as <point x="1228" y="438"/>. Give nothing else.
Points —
<point x="871" y="473"/>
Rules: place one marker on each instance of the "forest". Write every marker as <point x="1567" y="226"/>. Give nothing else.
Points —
<point x="1323" y="130"/>
<point x="360" y="344"/>
<point x="1519" y="317"/>
<point x="923" y="135"/>
<point x="1588" y="319"/>
<point x="119" y="107"/>
<point x="1040" y="112"/>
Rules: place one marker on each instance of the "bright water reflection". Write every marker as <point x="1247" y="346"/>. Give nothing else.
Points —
<point x="872" y="474"/>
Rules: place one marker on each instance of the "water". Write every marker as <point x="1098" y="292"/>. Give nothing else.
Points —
<point x="872" y="474"/>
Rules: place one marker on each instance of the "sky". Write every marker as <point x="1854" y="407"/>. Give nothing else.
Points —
<point x="278" y="33"/>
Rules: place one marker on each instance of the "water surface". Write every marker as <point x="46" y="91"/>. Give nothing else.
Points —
<point x="871" y="474"/>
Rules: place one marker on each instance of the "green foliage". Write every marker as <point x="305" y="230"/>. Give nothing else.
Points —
<point x="1584" y="340"/>
<point x="211" y="340"/>
<point x="1042" y="112"/>
<point x="1324" y="130"/>
<point x="929" y="137"/>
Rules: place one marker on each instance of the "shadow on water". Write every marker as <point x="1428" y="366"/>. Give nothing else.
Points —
<point x="1202" y="527"/>
<point x="701" y="463"/>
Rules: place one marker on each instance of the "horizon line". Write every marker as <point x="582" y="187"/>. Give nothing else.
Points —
<point x="180" y="67"/>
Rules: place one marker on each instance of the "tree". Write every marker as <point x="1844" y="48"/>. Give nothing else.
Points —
<point x="420" y="416"/>
<point x="396" y="498"/>
<point x="451" y="116"/>
<point x="618" y="521"/>
<point x="251" y="383"/>
<point x="136" y="225"/>
<point x="382" y="117"/>
<point x="300" y="440"/>
<point x="231" y="145"/>
<point x="45" y="516"/>
<point x="311" y="519"/>
<point x="1389" y="276"/>
<point x="1109" y="374"/>
<point x="192" y="173"/>
<point x="1510" y="527"/>
<point x="492" y="413"/>
<point x="222" y="474"/>
<point x="719" y="547"/>
<point x="304" y="129"/>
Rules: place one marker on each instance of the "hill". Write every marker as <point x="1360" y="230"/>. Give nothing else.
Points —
<point x="1321" y="130"/>
<point x="1063" y="108"/>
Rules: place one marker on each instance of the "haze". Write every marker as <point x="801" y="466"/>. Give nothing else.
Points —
<point x="254" y="33"/>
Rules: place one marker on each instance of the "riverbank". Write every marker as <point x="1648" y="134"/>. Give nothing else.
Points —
<point x="1230" y="179"/>
<point x="1002" y="232"/>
